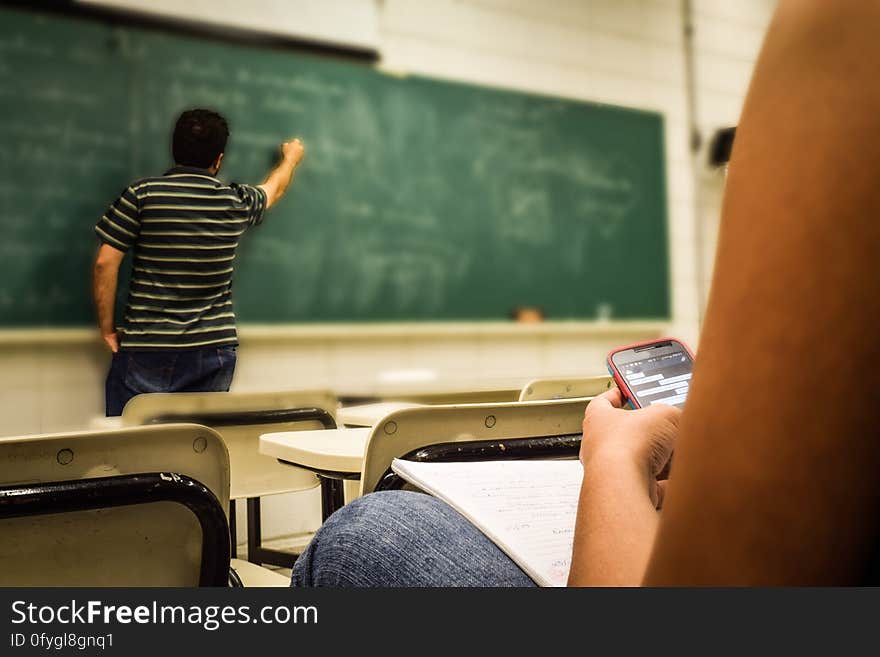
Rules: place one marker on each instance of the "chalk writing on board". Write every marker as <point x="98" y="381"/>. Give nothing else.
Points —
<point x="357" y="209"/>
<point x="520" y="110"/>
<point x="527" y="209"/>
<point x="55" y="94"/>
<point x="202" y="93"/>
<point x="21" y="44"/>
<point x="282" y="104"/>
<point x="204" y="70"/>
<point x="11" y="247"/>
<point x="67" y="133"/>
<point x="302" y="83"/>
<point x="330" y="153"/>
<point x="255" y="139"/>
<point x="84" y="55"/>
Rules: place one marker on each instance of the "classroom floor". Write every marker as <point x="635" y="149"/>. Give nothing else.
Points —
<point x="295" y="544"/>
<point x="281" y="571"/>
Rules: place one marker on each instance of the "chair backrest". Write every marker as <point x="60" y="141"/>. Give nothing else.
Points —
<point x="406" y="430"/>
<point x="105" y="527"/>
<point x="589" y="386"/>
<point x="488" y="395"/>
<point x="240" y="418"/>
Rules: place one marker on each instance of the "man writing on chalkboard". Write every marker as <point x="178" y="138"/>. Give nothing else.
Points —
<point x="184" y="226"/>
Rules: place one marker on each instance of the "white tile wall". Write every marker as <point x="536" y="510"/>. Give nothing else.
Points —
<point x="20" y="399"/>
<point x="270" y="365"/>
<point x="50" y="388"/>
<point x="727" y="41"/>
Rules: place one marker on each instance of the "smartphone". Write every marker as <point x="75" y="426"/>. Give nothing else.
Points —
<point x="655" y="372"/>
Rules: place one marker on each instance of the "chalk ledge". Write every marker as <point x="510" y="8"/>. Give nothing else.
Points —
<point x="251" y="333"/>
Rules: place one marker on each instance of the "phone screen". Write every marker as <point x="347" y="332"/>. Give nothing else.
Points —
<point x="656" y="374"/>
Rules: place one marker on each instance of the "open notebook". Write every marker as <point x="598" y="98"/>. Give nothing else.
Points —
<point x="527" y="508"/>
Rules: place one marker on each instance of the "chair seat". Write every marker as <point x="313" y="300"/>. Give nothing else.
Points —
<point x="253" y="575"/>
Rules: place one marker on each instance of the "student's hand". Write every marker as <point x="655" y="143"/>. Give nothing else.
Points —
<point x="619" y="442"/>
<point x="112" y="341"/>
<point x="293" y="150"/>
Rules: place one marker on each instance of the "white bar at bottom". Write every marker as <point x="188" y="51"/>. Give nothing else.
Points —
<point x="670" y="401"/>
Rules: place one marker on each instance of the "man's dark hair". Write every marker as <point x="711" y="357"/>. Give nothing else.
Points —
<point x="199" y="137"/>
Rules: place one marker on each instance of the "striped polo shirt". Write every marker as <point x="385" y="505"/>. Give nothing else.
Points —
<point x="184" y="227"/>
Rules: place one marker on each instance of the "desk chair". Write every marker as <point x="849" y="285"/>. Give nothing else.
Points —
<point x="131" y="507"/>
<point x="589" y="386"/>
<point x="491" y="428"/>
<point x="240" y="418"/>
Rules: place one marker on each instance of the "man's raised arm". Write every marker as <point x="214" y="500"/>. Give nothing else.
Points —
<point x="279" y="178"/>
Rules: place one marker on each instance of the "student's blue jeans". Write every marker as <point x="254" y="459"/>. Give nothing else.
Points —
<point x="401" y="538"/>
<point x="191" y="370"/>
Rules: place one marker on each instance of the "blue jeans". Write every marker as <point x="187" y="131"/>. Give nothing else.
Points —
<point x="195" y="370"/>
<point x="401" y="538"/>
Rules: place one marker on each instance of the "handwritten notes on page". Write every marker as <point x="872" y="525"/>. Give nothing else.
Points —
<point x="527" y="508"/>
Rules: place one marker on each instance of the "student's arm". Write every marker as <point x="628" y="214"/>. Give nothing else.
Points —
<point x="775" y="479"/>
<point x="775" y="473"/>
<point x="622" y="453"/>
<point x="104" y="281"/>
<point x="279" y="178"/>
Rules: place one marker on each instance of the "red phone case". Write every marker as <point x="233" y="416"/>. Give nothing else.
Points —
<point x="618" y="379"/>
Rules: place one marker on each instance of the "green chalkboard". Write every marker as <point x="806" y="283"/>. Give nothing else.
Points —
<point x="419" y="199"/>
